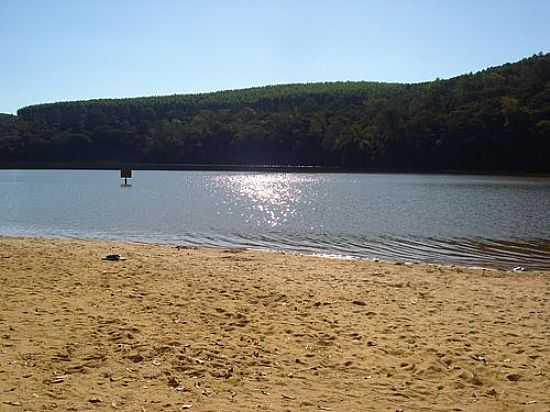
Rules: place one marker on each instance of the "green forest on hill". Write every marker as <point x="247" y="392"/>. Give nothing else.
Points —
<point x="494" y="120"/>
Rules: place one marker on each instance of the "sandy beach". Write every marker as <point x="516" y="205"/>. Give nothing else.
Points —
<point x="172" y="329"/>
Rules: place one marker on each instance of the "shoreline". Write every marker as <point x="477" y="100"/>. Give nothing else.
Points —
<point x="331" y="256"/>
<point x="170" y="329"/>
<point x="254" y="168"/>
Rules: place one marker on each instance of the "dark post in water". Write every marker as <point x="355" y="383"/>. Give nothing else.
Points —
<point x="125" y="173"/>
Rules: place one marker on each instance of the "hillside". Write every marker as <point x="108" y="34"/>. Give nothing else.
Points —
<point x="494" y="120"/>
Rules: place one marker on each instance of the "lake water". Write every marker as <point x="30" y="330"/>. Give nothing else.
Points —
<point x="467" y="220"/>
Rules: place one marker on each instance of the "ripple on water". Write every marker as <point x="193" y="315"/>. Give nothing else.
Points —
<point x="466" y="220"/>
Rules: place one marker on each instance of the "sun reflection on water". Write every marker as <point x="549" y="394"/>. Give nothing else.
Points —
<point x="263" y="199"/>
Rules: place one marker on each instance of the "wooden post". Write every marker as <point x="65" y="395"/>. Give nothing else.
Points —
<point x="126" y="173"/>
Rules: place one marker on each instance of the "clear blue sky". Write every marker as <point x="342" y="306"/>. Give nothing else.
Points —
<point x="82" y="49"/>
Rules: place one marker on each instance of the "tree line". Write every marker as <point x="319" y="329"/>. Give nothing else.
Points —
<point x="494" y="120"/>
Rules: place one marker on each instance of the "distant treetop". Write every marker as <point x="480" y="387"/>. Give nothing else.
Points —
<point x="495" y="119"/>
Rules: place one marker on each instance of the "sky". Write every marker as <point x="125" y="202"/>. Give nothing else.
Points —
<point x="56" y="50"/>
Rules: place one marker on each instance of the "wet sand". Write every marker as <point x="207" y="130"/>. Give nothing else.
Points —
<point x="225" y="330"/>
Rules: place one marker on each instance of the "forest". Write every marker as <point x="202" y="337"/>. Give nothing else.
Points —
<point x="495" y="120"/>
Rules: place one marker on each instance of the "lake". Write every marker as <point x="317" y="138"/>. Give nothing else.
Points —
<point x="490" y="221"/>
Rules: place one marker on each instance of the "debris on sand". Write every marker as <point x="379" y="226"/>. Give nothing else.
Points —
<point x="114" y="257"/>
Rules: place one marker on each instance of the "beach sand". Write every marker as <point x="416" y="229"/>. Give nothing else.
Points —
<point x="225" y="330"/>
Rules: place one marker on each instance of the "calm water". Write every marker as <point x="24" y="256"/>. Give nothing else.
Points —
<point x="468" y="220"/>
